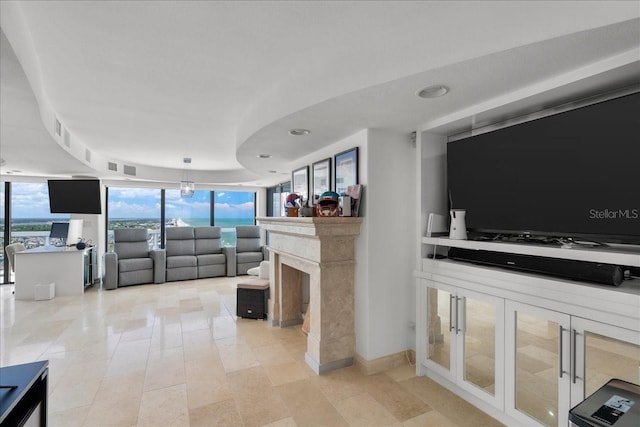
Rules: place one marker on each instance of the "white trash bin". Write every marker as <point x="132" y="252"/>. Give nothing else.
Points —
<point x="45" y="292"/>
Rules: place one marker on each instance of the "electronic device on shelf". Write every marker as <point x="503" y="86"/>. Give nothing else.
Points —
<point x="570" y="174"/>
<point x="608" y="274"/>
<point x="59" y="230"/>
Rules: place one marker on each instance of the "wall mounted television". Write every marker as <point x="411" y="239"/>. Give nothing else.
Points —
<point x="75" y="196"/>
<point x="574" y="174"/>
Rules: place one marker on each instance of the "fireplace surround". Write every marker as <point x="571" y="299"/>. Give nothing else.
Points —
<point x="323" y="248"/>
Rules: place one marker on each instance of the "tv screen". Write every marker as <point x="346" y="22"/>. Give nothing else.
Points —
<point x="59" y="230"/>
<point x="572" y="174"/>
<point x="74" y="196"/>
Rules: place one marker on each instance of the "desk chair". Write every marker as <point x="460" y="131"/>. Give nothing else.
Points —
<point x="10" y="251"/>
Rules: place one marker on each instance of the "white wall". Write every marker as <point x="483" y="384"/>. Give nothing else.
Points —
<point x="385" y="249"/>
<point x="390" y="217"/>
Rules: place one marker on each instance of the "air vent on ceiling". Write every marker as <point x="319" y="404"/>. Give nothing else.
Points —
<point x="67" y="138"/>
<point x="87" y="155"/>
<point x="57" y="127"/>
<point x="112" y="166"/>
<point x="129" y="170"/>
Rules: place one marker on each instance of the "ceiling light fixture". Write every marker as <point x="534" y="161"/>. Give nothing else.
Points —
<point x="264" y="156"/>
<point x="187" y="187"/>
<point x="299" y="132"/>
<point x="435" y="91"/>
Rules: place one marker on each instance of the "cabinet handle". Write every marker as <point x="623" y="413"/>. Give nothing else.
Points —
<point x="451" y="327"/>
<point x="573" y="356"/>
<point x="458" y="330"/>
<point x="560" y="351"/>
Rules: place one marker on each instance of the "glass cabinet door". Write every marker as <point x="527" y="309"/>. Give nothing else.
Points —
<point x="602" y="352"/>
<point x="480" y="322"/>
<point x="439" y="328"/>
<point x="538" y="358"/>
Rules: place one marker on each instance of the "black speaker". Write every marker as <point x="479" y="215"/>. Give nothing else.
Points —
<point x="607" y="274"/>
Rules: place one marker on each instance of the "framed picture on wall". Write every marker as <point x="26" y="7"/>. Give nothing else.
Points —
<point x="300" y="182"/>
<point x="346" y="164"/>
<point x="320" y="178"/>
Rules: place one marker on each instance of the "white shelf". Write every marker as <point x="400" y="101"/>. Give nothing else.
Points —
<point x="619" y="255"/>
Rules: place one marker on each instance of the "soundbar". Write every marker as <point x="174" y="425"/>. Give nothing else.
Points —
<point x="607" y="274"/>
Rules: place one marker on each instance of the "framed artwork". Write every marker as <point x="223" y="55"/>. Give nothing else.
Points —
<point x="346" y="174"/>
<point x="320" y="178"/>
<point x="300" y="182"/>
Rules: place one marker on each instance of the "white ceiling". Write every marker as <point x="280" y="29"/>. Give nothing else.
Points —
<point x="148" y="83"/>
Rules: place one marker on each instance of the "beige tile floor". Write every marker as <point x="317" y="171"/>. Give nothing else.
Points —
<point x="176" y="355"/>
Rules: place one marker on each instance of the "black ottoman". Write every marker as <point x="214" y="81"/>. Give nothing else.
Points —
<point x="251" y="299"/>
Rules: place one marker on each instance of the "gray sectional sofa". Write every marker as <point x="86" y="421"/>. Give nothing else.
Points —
<point x="196" y="253"/>
<point x="190" y="253"/>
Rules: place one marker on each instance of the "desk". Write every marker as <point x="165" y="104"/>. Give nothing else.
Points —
<point x="23" y="396"/>
<point x="67" y="267"/>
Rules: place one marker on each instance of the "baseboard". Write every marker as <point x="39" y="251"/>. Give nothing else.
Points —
<point x="375" y="366"/>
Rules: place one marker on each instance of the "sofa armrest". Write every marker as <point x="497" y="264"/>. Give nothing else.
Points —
<point x="230" y="253"/>
<point x="110" y="277"/>
<point x="265" y="252"/>
<point x="159" y="257"/>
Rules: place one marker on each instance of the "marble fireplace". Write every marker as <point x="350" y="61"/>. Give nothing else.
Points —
<point x="323" y="248"/>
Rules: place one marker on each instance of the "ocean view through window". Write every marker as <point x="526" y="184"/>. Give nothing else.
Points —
<point x="134" y="208"/>
<point x="143" y="207"/>
<point x="233" y="208"/>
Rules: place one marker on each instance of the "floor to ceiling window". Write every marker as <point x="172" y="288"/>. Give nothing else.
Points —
<point x="146" y="208"/>
<point x="233" y="208"/>
<point x="134" y="208"/>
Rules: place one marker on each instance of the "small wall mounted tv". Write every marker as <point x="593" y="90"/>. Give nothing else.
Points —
<point x="75" y="196"/>
<point x="574" y="174"/>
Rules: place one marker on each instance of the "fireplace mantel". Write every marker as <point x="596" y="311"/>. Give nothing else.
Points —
<point x="324" y="248"/>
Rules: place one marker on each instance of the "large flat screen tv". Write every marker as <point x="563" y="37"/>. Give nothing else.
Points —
<point x="75" y="196"/>
<point x="571" y="174"/>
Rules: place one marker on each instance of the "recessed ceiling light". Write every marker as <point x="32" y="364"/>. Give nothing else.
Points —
<point x="299" y="132"/>
<point x="264" y="156"/>
<point x="433" y="91"/>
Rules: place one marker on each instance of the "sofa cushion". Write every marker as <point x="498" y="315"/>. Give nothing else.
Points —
<point x="180" y="233"/>
<point x="208" y="246"/>
<point x="127" y="250"/>
<point x="246" y="257"/>
<point x="211" y="259"/>
<point x="181" y="261"/>
<point x="207" y="232"/>
<point x="248" y="245"/>
<point x="134" y="264"/>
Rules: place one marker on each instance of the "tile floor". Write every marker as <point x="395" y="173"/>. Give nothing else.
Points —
<point x="176" y="355"/>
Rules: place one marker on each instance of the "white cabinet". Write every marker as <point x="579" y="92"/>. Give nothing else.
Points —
<point x="554" y="361"/>
<point x="525" y="348"/>
<point x="465" y="339"/>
